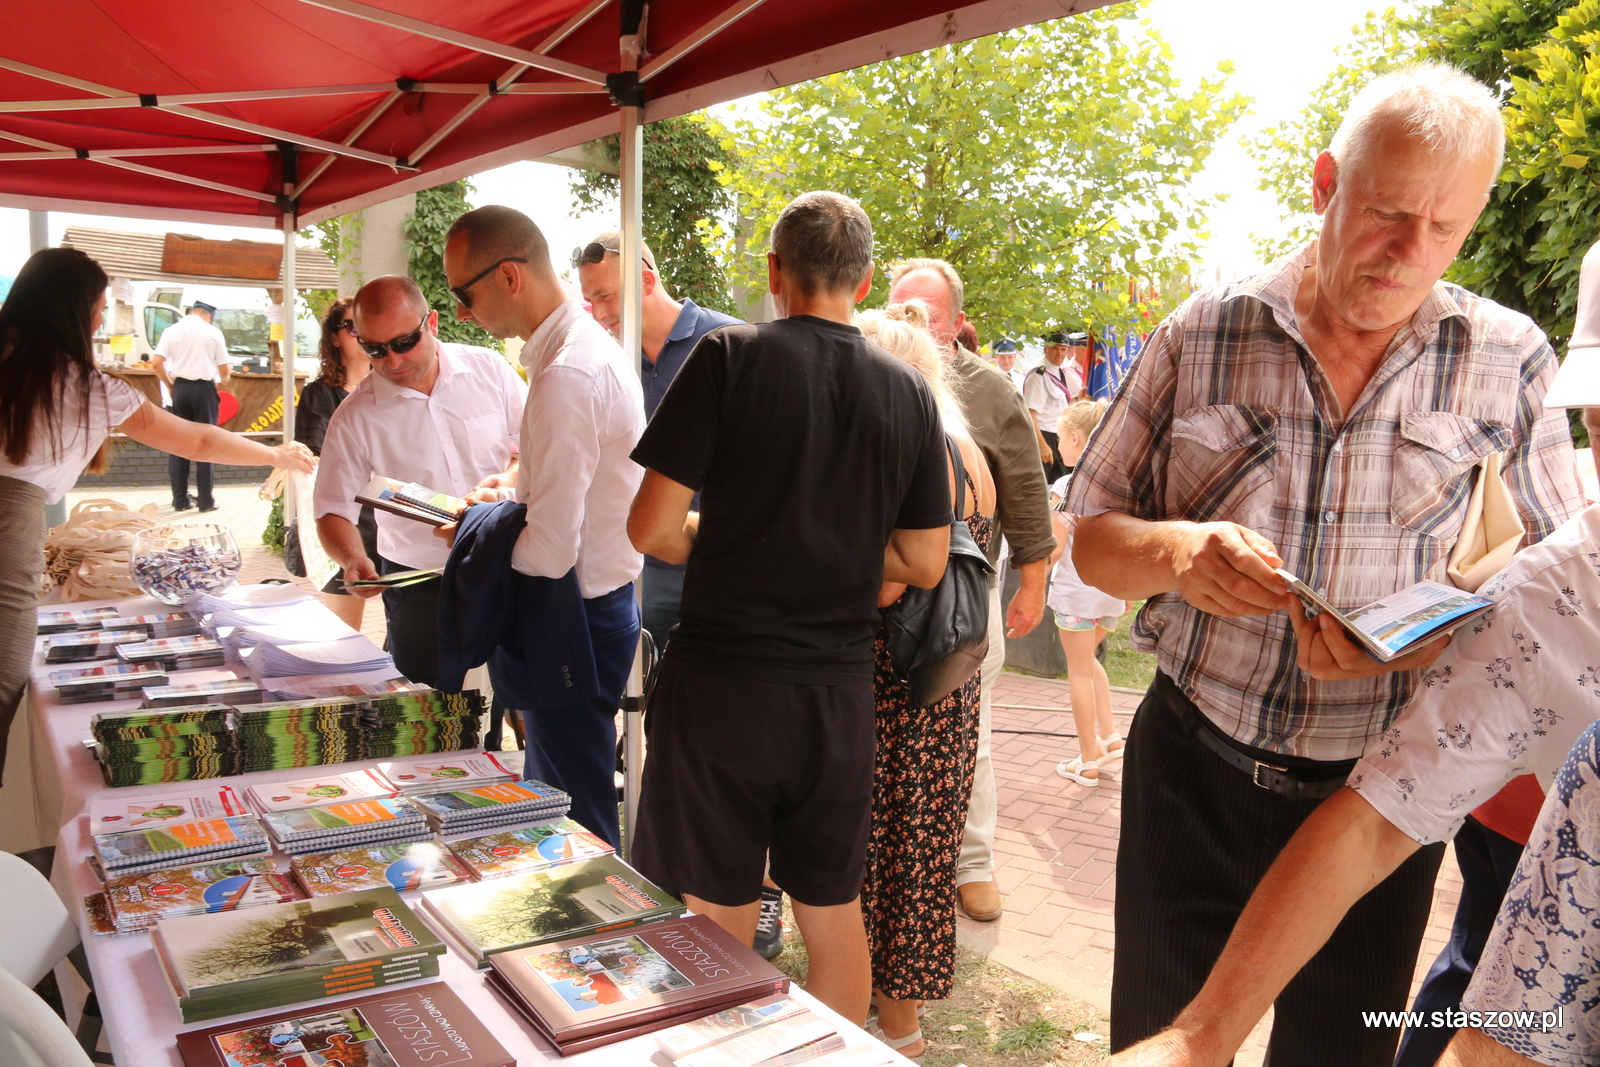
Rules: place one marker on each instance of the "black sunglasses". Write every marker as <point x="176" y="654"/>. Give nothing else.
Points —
<point x="463" y="297"/>
<point x="399" y="346"/>
<point x="594" y="252"/>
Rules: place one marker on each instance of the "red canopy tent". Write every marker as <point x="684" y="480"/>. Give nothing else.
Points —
<point x="278" y="113"/>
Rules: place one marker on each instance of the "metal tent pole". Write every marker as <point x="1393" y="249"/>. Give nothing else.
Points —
<point x="629" y="97"/>
<point x="290" y="156"/>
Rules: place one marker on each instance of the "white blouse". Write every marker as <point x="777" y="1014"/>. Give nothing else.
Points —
<point x="54" y="463"/>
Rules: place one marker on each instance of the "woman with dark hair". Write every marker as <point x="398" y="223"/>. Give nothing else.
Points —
<point x="344" y="364"/>
<point x="56" y="411"/>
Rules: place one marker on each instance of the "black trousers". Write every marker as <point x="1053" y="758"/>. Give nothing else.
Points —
<point x="1055" y="468"/>
<point x="196" y="401"/>
<point x="1197" y="836"/>
<point x="413" y="618"/>
<point x="1487" y="861"/>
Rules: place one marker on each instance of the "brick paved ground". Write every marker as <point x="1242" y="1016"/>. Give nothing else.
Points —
<point x="1056" y="842"/>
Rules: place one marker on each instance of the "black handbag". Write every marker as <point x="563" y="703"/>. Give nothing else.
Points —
<point x="937" y="638"/>
<point x="294" y="561"/>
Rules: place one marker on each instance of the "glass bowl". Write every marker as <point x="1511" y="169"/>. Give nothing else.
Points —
<point x="177" y="563"/>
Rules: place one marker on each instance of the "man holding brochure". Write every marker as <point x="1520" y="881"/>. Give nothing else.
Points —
<point x="1325" y="416"/>
<point x="441" y="415"/>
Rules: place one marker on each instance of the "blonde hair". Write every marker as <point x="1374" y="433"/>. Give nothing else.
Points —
<point x="902" y="330"/>
<point x="1082" y="416"/>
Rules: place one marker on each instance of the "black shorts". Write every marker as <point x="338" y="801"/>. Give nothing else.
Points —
<point x="741" y="772"/>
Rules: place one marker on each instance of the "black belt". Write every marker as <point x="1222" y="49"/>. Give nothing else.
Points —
<point x="1269" y="776"/>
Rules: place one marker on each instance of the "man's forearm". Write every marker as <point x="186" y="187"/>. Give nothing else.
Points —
<point x="340" y="540"/>
<point x="1344" y="849"/>
<point x="1128" y="558"/>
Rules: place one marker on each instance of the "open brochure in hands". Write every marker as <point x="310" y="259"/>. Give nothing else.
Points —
<point x="412" y="501"/>
<point x="1401" y="622"/>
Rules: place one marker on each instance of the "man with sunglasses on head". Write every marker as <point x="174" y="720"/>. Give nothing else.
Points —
<point x="439" y="414"/>
<point x="584" y="413"/>
<point x="671" y="329"/>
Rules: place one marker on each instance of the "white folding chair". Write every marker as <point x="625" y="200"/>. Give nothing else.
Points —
<point x="31" y="1035"/>
<point x="36" y="933"/>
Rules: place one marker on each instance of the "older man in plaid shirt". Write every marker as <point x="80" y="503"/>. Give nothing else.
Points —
<point x="1325" y="416"/>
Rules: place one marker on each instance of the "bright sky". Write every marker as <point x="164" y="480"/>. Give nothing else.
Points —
<point x="1281" y="51"/>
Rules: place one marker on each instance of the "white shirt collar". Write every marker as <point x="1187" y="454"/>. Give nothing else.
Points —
<point x="548" y="336"/>
<point x="449" y="364"/>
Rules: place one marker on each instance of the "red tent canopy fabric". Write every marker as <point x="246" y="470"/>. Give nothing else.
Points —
<point x="110" y="106"/>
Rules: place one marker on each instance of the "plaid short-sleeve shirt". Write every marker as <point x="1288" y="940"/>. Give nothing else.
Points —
<point x="1226" y="416"/>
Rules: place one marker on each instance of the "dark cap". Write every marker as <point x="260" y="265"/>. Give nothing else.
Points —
<point x="203" y="306"/>
<point x="1057" y="338"/>
<point x="1004" y="344"/>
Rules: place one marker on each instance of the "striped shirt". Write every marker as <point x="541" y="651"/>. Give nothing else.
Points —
<point x="1227" y="417"/>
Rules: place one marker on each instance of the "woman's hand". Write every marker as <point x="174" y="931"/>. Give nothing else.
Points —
<point x="294" y="456"/>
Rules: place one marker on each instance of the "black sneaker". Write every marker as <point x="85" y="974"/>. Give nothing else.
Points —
<point x="769" y="926"/>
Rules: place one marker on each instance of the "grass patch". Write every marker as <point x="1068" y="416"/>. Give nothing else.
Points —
<point x="993" y="1018"/>
<point x="1124" y="665"/>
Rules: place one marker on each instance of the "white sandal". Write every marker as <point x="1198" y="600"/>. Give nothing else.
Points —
<point x="1072" y="770"/>
<point x="896" y="1043"/>
<point x="1112" y="754"/>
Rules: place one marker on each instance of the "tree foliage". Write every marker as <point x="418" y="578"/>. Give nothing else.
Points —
<point x="436" y="209"/>
<point x="685" y="205"/>
<point x="1048" y="164"/>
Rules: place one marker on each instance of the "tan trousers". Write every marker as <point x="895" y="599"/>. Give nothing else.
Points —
<point x="21" y="565"/>
<point x="977" y="843"/>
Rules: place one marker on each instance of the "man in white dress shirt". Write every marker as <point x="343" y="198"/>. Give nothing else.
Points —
<point x="585" y="412"/>
<point x="190" y="359"/>
<point x="438" y="414"/>
<point x="1047" y="390"/>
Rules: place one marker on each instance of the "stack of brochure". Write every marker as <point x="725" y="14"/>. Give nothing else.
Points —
<point x="113" y="814"/>
<point x="111" y="681"/>
<point x="174" y="653"/>
<point x="220" y="691"/>
<point x="176" y="624"/>
<point x="491" y="807"/>
<point x="318" y="792"/>
<point x="404" y="866"/>
<point x="411" y="724"/>
<point x="146" y="747"/>
<point x="441" y="774"/>
<point x="354" y="654"/>
<point x="350" y="825"/>
<point x="775" y="1030"/>
<point x="60" y="622"/>
<point x="299" y="733"/>
<point x="396" y="579"/>
<point x="79" y="645"/>
<point x="180" y="844"/>
<point x="135" y="902"/>
<point x="528" y="848"/>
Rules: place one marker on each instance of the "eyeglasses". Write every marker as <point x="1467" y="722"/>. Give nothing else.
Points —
<point x="347" y="326"/>
<point x="399" y="346"/>
<point x="594" y="252"/>
<point x="463" y="297"/>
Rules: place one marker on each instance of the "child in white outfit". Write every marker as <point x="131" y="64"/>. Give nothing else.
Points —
<point x="1084" y="616"/>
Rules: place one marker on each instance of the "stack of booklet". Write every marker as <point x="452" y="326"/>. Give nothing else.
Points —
<point x="412" y="501"/>
<point x="412" y="724"/>
<point x="541" y="906"/>
<point x="135" y="902"/>
<point x="490" y="807"/>
<point x="110" y="681"/>
<point x="60" y="622"/>
<point x="180" y="844"/>
<point x="174" y="653"/>
<point x="299" y="733"/>
<point x="175" y="624"/>
<point x="314" y="792"/>
<point x="239" y="961"/>
<point x="220" y="691"/>
<point x="461" y="770"/>
<point x="528" y="848"/>
<point x="149" y="746"/>
<point x="593" y="990"/>
<point x="347" y="825"/>
<point x="404" y="866"/>
<point x="109" y="815"/>
<point x="772" y="1031"/>
<point x="421" y="1026"/>
<point x="78" y="646"/>
<point x="354" y="654"/>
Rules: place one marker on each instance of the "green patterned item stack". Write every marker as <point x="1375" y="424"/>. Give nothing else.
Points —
<point x="299" y="733"/>
<point x="155" y="745"/>
<point x="413" y="724"/>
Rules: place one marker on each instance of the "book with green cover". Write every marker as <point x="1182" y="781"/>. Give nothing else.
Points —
<point x="590" y="896"/>
<point x="243" y="960"/>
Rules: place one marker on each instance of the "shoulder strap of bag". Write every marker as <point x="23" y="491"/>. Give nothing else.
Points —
<point x="960" y="470"/>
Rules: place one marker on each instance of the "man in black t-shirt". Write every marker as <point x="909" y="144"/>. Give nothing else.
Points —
<point x="820" y="460"/>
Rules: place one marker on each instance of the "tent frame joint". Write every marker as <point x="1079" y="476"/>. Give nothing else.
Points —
<point x="148" y="100"/>
<point x="406" y="85"/>
<point x="625" y="88"/>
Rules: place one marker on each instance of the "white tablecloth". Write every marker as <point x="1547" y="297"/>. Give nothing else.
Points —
<point x="140" y="1013"/>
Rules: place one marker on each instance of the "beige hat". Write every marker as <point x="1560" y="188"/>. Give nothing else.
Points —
<point x="1577" y="383"/>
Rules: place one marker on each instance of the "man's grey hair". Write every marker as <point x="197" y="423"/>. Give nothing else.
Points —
<point x="958" y="292"/>
<point x="823" y="241"/>
<point x="1454" y="116"/>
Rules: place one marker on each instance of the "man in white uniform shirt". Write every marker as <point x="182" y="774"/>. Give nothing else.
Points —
<point x="584" y="414"/>
<point x="190" y="359"/>
<point x="438" y="414"/>
<point x="1047" y="391"/>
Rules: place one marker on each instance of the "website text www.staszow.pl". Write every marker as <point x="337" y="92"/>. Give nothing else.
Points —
<point x="1543" y="1021"/>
